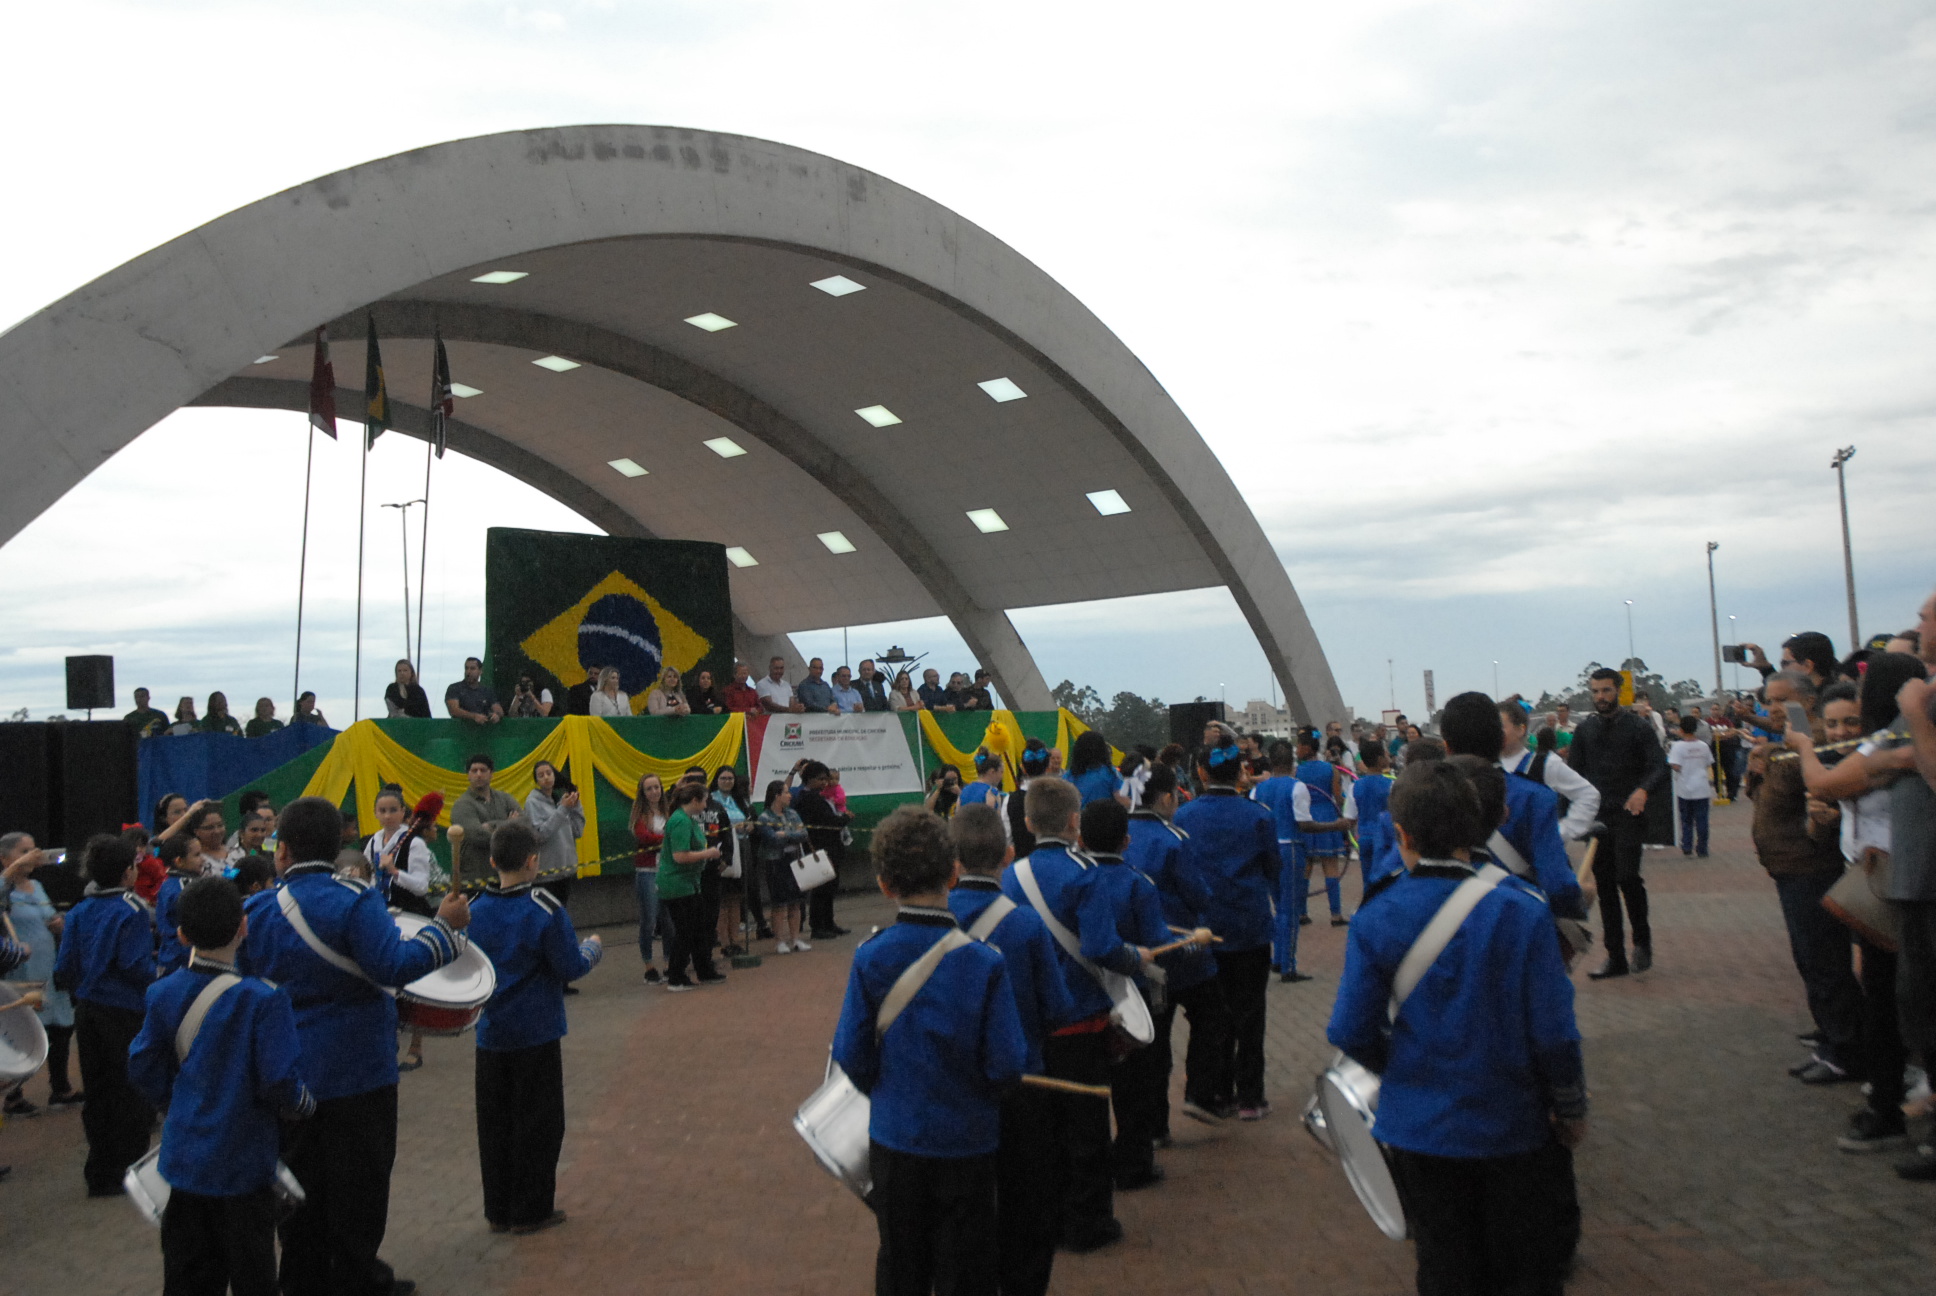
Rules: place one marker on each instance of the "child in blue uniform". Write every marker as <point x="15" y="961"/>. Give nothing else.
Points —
<point x="1471" y="726"/>
<point x="183" y="857"/>
<point x="1290" y="802"/>
<point x="1323" y="847"/>
<point x="935" y="1076"/>
<point x="1140" y="1107"/>
<point x="224" y="1096"/>
<point x="520" y="1068"/>
<point x="107" y="962"/>
<point x="1027" y="1200"/>
<point x="1484" y="1092"/>
<point x="1367" y="808"/>
<point x="1233" y="843"/>
<point x="1157" y="850"/>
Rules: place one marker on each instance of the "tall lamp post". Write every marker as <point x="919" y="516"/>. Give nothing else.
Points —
<point x="1842" y="456"/>
<point x="1714" y="615"/>
<point x="1495" y="681"/>
<point x="1630" y="648"/>
<point x="1734" y="636"/>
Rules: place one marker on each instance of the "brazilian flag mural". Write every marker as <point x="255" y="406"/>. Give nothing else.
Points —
<point x="557" y="604"/>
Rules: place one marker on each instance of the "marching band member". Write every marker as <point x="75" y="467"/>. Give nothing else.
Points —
<point x="1471" y="726"/>
<point x="1289" y="799"/>
<point x="1483" y="1089"/>
<point x="1367" y="808"/>
<point x="332" y="944"/>
<point x="183" y="858"/>
<point x="1324" y="848"/>
<point x="1582" y="798"/>
<point x="1027" y="1205"/>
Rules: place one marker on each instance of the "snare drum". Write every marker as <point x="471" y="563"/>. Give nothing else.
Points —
<point x="23" y="1044"/>
<point x="1347" y="1103"/>
<point x="450" y="1000"/>
<point x="834" y="1124"/>
<point x="1128" y="1012"/>
<point x="150" y="1192"/>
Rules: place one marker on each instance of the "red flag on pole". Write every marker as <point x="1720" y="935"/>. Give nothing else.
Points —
<point x="322" y="388"/>
<point x="442" y="406"/>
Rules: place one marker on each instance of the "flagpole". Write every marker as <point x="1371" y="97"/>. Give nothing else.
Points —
<point x="302" y="564"/>
<point x="362" y="508"/>
<point x="423" y="559"/>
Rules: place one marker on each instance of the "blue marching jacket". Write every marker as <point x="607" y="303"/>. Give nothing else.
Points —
<point x="1370" y="799"/>
<point x="1533" y="827"/>
<point x="536" y="952"/>
<point x="170" y="954"/>
<point x="1486" y="1048"/>
<point x="1156" y="850"/>
<point x="1066" y="880"/>
<point x="240" y="1078"/>
<point x="1138" y="912"/>
<point x="347" y="1025"/>
<point x="1041" y="995"/>
<point x="107" y="950"/>
<point x="1233" y="843"/>
<point x="937" y="1077"/>
<point x="1320" y="776"/>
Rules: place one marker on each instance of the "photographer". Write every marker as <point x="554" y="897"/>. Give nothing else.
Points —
<point x="530" y="701"/>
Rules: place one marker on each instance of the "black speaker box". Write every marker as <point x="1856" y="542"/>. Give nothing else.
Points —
<point x="30" y="784"/>
<point x="99" y="779"/>
<point x="90" y="683"/>
<point x="1187" y="720"/>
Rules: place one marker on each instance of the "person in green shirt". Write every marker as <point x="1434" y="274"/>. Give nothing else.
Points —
<point x="265" y="722"/>
<point x="682" y="857"/>
<point x="145" y="720"/>
<point x="218" y="719"/>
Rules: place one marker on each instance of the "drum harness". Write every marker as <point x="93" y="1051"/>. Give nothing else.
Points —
<point x="1114" y="984"/>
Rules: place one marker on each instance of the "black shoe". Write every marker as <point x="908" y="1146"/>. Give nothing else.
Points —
<point x="1339" y="920"/>
<point x="1871" y="1132"/>
<point x="5" y="1171"/>
<point x="1920" y="1168"/>
<point x="1610" y="968"/>
<point x="403" y="1287"/>
<point x="571" y="989"/>
<point x="651" y="976"/>
<point x="115" y="1191"/>
<point x="819" y="934"/>
<point x="839" y="930"/>
<point x="1812" y="1037"/>
<point x="1083" y="1244"/>
<point x="1154" y="1175"/>
<point x="1305" y="921"/>
<point x="72" y="1098"/>
<point x="19" y="1108"/>
<point x="1820" y="1071"/>
<point x="1643" y="957"/>
<point x="714" y="979"/>
<point x="764" y="933"/>
<point x="1294" y="976"/>
<point x="550" y="1221"/>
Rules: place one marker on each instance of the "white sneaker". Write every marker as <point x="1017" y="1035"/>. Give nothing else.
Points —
<point x="801" y="946"/>
<point x="783" y="948"/>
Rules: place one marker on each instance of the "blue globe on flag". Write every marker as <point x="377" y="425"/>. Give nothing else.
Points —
<point x="620" y="630"/>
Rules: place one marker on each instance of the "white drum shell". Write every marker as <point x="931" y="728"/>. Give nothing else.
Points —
<point x="23" y="1044"/>
<point x="1128" y="1011"/>
<point x="834" y="1124"/>
<point x="1348" y="1100"/>
<point x="150" y="1192"/>
<point x="467" y="981"/>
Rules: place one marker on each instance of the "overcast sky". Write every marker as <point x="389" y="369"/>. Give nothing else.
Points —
<point x="1497" y="312"/>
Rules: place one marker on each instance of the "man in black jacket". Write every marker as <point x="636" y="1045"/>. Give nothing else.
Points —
<point x="1618" y="753"/>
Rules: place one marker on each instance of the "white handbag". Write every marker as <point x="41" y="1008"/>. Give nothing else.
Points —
<point x="810" y="871"/>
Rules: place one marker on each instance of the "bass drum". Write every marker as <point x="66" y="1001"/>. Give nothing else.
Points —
<point x="450" y="1000"/>
<point x="1347" y="1104"/>
<point x="23" y="1044"/>
<point x="834" y="1124"/>
<point x="150" y="1192"/>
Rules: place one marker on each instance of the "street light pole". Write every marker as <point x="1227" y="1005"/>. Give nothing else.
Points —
<point x="1630" y="647"/>
<point x="1734" y="636"/>
<point x="1714" y="614"/>
<point x="1495" y="681"/>
<point x="1842" y="456"/>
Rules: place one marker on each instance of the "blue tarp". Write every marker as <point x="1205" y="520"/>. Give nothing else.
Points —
<point x="214" y="765"/>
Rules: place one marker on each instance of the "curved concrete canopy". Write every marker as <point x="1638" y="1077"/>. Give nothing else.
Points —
<point x="622" y="235"/>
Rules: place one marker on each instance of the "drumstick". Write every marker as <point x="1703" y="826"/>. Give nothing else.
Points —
<point x="456" y="859"/>
<point x="1586" y="861"/>
<point x="1185" y="931"/>
<point x="1066" y="1086"/>
<point x="1161" y="950"/>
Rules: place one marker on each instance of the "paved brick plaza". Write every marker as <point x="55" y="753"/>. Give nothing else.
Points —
<point x="1707" y="1169"/>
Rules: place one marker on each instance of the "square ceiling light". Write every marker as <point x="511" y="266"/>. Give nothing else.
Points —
<point x="1108" y="502"/>
<point x="502" y="276"/>
<point x="879" y="415"/>
<point x="725" y="447"/>
<point x="627" y="467"/>
<point x="465" y="390"/>
<point x="266" y="359"/>
<point x="711" y="322"/>
<point x="836" y="542"/>
<point x="740" y="558"/>
<point x="557" y="364"/>
<point x="838" y="286"/>
<point x="987" y="521"/>
<point x="1002" y="389"/>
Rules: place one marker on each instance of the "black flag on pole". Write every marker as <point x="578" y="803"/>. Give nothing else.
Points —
<point x="441" y="404"/>
<point x="376" y="397"/>
<point x="322" y="388"/>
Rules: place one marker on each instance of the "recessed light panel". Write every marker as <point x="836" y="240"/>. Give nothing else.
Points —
<point x="1002" y="389"/>
<point x="725" y="447"/>
<point x="557" y="364"/>
<point x="627" y="467"/>
<point x="1109" y="502"/>
<point x="836" y="542"/>
<point x="710" y="322"/>
<point x="879" y="415"/>
<point x="838" y="285"/>
<point x="465" y="390"/>
<point x="502" y="276"/>
<point x="266" y="359"/>
<point x="740" y="558"/>
<point x="987" y="521"/>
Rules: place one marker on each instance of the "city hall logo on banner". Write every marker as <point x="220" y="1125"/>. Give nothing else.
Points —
<point x="792" y="731"/>
<point x="617" y="624"/>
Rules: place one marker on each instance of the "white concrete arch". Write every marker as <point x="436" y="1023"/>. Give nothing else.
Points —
<point x="622" y="235"/>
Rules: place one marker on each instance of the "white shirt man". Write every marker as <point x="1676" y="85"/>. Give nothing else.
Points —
<point x="776" y="695"/>
<point x="1583" y="799"/>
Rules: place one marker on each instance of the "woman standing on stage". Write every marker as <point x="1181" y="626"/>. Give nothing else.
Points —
<point x="648" y="829"/>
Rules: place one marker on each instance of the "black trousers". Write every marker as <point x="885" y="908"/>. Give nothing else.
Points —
<point x="1820" y="947"/>
<point x="342" y="1157"/>
<point x="59" y="1040"/>
<point x="1916" y="979"/>
<point x="709" y="905"/>
<point x="691" y="943"/>
<point x="1028" y="1207"/>
<point x="1883" y="1054"/>
<point x="1244" y="976"/>
<point x="116" y="1118"/>
<point x="520" y="1128"/>
<point x="1616" y="876"/>
<point x="213" y="1245"/>
<point x="1086" y="1185"/>
<point x="936" y="1216"/>
<point x="1490" y="1226"/>
<point x="820" y="909"/>
<point x="1206" y="1076"/>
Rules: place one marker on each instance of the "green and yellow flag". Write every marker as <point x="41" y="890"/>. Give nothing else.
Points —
<point x="376" y="397"/>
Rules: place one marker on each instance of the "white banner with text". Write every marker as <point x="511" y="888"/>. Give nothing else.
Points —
<point x="870" y="749"/>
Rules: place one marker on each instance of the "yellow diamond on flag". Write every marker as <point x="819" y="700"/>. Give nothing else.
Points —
<point x="617" y="624"/>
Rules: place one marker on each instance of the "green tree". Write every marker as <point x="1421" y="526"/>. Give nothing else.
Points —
<point x="1127" y="720"/>
<point x="1081" y="701"/>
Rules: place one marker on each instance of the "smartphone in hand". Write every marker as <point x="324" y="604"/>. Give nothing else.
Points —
<point x="1797" y="717"/>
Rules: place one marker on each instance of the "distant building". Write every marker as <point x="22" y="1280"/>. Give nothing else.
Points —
<point x="1260" y="717"/>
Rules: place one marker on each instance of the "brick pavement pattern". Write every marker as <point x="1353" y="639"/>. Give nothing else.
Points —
<point x="1706" y="1170"/>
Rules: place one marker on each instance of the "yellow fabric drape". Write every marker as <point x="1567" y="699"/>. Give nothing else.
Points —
<point x="1004" y="737"/>
<point x="365" y="757"/>
<point x="1068" y="729"/>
